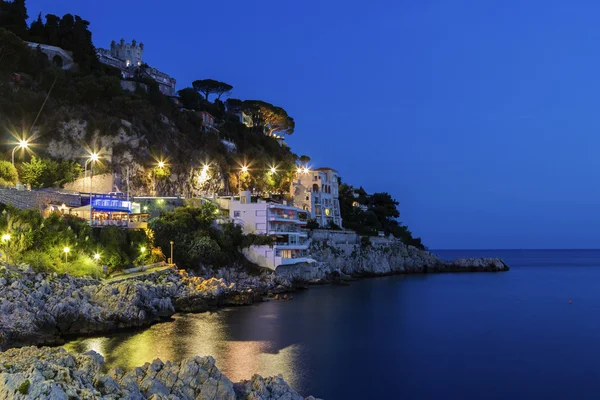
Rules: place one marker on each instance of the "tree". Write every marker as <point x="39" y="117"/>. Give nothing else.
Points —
<point x="8" y="174"/>
<point x="13" y="17"/>
<point x="271" y="118"/>
<point x="190" y="98"/>
<point x="45" y="172"/>
<point x="210" y="86"/>
<point x="36" y="30"/>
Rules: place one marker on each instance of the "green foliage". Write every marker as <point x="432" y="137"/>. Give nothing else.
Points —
<point x="45" y="172"/>
<point x="40" y="242"/>
<point x="381" y="214"/>
<point x="198" y="240"/>
<point x="24" y="387"/>
<point x="8" y="174"/>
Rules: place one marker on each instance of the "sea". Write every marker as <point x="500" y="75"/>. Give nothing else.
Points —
<point x="530" y="333"/>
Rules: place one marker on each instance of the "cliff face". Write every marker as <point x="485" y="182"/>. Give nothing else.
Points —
<point x="375" y="260"/>
<point x="126" y="154"/>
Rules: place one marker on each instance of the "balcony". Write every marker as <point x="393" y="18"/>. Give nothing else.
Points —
<point x="286" y="228"/>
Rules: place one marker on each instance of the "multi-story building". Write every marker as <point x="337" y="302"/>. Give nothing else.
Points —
<point x="285" y="224"/>
<point x="127" y="57"/>
<point x="316" y="191"/>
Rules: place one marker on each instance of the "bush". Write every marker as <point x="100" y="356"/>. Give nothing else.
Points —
<point x="8" y="174"/>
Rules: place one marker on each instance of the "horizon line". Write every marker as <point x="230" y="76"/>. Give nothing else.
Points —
<point x="518" y="249"/>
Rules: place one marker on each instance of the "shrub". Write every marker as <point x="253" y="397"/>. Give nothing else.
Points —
<point x="8" y="174"/>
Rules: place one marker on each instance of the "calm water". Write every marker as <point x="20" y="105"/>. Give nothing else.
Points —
<point x="465" y="336"/>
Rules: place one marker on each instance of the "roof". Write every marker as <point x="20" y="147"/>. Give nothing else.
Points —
<point x="324" y="169"/>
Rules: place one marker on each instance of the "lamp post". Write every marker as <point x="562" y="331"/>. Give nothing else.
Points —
<point x="97" y="258"/>
<point x="243" y="170"/>
<point x="5" y="239"/>
<point x="172" y="243"/>
<point x="161" y="164"/>
<point x="66" y="251"/>
<point x="93" y="158"/>
<point x="22" y="145"/>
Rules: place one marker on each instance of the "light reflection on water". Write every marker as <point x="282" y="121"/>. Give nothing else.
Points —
<point x="190" y="335"/>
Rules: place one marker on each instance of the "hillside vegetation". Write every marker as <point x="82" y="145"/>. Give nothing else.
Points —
<point x="86" y="109"/>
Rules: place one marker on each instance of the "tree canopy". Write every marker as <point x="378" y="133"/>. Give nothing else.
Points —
<point x="271" y="118"/>
<point x="211" y="86"/>
<point x="369" y="214"/>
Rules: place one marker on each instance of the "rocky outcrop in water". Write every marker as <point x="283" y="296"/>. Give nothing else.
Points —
<point x="53" y="373"/>
<point x="41" y="308"/>
<point x="339" y="261"/>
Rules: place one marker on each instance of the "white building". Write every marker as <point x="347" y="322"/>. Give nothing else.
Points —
<point x="61" y="58"/>
<point x="284" y="223"/>
<point x="316" y="191"/>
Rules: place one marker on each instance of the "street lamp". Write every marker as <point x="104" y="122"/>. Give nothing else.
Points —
<point x="172" y="243"/>
<point x="67" y="250"/>
<point x="161" y="164"/>
<point x="5" y="239"/>
<point x="97" y="258"/>
<point x="93" y="158"/>
<point x="243" y="170"/>
<point x="22" y="145"/>
<point x="273" y="170"/>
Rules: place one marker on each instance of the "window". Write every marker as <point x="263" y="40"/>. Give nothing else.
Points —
<point x="314" y="178"/>
<point x="307" y="198"/>
<point x="237" y="214"/>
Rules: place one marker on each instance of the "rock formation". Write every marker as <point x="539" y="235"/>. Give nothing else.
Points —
<point x="378" y="260"/>
<point x="53" y="373"/>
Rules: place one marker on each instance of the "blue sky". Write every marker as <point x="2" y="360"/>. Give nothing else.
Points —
<point x="481" y="117"/>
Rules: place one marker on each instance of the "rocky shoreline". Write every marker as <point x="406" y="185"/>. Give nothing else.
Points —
<point x="53" y="373"/>
<point x="43" y="309"/>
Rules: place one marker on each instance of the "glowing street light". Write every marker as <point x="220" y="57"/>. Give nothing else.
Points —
<point x="161" y="164"/>
<point x="96" y="256"/>
<point x="142" y="249"/>
<point x="305" y="170"/>
<point x="205" y="168"/>
<point x="273" y="170"/>
<point x="66" y="250"/>
<point x="243" y="170"/>
<point x="23" y="144"/>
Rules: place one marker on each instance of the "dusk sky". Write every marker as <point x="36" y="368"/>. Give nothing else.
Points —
<point x="481" y="117"/>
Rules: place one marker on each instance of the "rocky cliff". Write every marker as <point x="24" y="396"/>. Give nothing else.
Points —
<point x="53" y="373"/>
<point x="41" y="308"/>
<point x="339" y="260"/>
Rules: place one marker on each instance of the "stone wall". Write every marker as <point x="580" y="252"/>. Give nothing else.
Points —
<point x="103" y="183"/>
<point x="38" y="199"/>
<point x="337" y="237"/>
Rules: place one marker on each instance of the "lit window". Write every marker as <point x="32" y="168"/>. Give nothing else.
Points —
<point x="128" y="63"/>
<point x="327" y="211"/>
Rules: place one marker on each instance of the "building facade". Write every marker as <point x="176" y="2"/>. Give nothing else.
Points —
<point x="127" y="57"/>
<point x="316" y="191"/>
<point x="285" y="224"/>
<point x="112" y="211"/>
